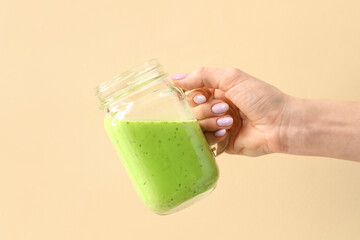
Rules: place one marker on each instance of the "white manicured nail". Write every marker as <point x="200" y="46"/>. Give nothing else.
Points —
<point x="199" y="99"/>
<point x="220" y="133"/>
<point x="225" y="121"/>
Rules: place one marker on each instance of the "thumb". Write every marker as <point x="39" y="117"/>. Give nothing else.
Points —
<point x="217" y="78"/>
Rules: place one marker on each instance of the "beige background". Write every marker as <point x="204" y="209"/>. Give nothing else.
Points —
<point x="60" y="177"/>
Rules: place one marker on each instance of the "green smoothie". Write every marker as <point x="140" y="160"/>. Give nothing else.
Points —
<point x="168" y="162"/>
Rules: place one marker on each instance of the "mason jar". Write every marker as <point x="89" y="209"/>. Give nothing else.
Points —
<point x="157" y="138"/>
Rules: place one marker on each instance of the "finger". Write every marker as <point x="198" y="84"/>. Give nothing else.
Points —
<point x="216" y="123"/>
<point x="215" y="137"/>
<point x="217" y="78"/>
<point x="212" y="108"/>
<point x="217" y="93"/>
<point x="198" y="96"/>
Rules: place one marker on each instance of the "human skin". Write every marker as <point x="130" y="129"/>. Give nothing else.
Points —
<point x="266" y="120"/>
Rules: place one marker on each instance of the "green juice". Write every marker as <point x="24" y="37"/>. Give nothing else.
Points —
<point x="168" y="162"/>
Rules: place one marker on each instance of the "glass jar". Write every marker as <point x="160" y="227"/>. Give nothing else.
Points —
<point x="157" y="138"/>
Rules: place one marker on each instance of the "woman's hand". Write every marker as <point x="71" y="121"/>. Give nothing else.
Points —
<point x="229" y="101"/>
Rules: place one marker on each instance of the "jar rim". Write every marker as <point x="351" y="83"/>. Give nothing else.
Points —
<point x="128" y="81"/>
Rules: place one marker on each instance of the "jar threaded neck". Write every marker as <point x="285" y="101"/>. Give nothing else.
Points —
<point x="128" y="81"/>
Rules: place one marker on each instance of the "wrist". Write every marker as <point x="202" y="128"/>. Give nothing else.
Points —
<point x="292" y="129"/>
<point x="320" y="128"/>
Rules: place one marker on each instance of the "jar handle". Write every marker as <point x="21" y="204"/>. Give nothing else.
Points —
<point x="221" y="146"/>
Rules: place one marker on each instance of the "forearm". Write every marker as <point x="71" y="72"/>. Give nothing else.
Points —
<point x="322" y="128"/>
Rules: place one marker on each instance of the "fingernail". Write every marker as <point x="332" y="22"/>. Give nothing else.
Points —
<point x="199" y="98"/>
<point x="220" y="108"/>
<point x="220" y="133"/>
<point x="225" y="121"/>
<point x="178" y="76"/>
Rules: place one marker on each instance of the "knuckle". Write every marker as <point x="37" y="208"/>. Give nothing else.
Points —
<point x="233" y="72"/>
<point x="207" y="124"/>
<point x="200" y="112"/>
<point x="200" y="71"/>
<point x="231" y="77"/>
<point x="203" y="112"/>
